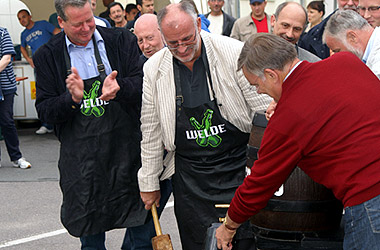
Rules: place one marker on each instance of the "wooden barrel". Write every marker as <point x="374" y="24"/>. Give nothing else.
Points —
<point x="301" y="205"/>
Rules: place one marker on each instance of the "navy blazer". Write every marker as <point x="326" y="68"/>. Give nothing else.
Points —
<point x="312" y="40"/>
<point x="53" y="101"/>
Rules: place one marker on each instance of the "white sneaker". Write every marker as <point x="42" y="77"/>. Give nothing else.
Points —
<point x="21" y="163"/>
<point x="43" y="130"/>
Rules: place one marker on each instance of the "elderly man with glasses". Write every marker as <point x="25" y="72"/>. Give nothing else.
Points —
<point x="199" y="108"/>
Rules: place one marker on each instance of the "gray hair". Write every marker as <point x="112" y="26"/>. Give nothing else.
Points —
<point x="266" y="51"/>
<point x="283" y="5"/>
<point x="342" y="21"/>
<point x="61" y="5"/>
<point x="184" y="6"/>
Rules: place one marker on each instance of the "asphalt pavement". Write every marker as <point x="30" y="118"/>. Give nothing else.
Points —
<point x="30" y="200"/>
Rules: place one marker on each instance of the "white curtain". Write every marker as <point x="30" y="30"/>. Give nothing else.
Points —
<point x="232" y="7"/>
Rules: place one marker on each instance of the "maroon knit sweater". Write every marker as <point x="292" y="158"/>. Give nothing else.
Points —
<point x="327" y="122"/>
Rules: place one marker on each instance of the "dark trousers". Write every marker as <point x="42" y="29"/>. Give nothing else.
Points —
<point x="136" y="238"/>
<point x="93" y="242"/>
<point x="46" y="125"/>
<point x="8" y="127"/>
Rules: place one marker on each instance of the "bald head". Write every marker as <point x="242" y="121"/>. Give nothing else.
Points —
<point x="146" y="20"/>
<point x="292" y="8"/>
<point x="174" y="15"/>
<point x="289" y="21"/>
<point x="180" y="28"/>
<point x="148" y="34"/>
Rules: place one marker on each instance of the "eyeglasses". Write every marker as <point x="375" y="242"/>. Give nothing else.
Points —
<point x="371" y="9"/>
<point x="216" y="1"/>
<point x="188" y="42"/>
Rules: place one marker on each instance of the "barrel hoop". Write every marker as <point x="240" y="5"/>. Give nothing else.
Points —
<point x="302" y="206"/>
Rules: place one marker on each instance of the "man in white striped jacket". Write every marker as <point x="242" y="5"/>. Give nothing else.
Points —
<point x="192" y="87"/>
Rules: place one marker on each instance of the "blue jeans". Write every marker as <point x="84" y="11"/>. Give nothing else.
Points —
<point x="8" y="127"/>
<point x="140" y="238"/>
<point x="362" y="226"/>
<point x="136" y="238"/>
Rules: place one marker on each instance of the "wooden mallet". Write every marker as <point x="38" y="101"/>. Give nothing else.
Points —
<point x="161" y="241"/>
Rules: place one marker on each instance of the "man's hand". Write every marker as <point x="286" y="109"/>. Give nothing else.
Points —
<point x="149" y="198"/>
<point x="75" y="85"/>
<point x="24" y="52"/>
<point x="270" y="110"/>
<point x="30" y="61"/>
<point x="110" y="87"/>
<point x="225" y="233"/>
<point x="224" y="237"/>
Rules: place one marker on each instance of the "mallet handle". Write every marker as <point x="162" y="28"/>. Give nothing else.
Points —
<point x="155" y="220"/>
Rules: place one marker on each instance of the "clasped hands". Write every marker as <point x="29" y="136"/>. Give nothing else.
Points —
<point x="75" y="85"/>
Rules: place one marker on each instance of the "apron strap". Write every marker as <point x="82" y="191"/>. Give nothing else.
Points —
<point x="178" y="89"/>
<point x="207" y="67"/>
<point x="67" y="58"/>
<point x="177" y="78"/>
<point x="101" y="67"/>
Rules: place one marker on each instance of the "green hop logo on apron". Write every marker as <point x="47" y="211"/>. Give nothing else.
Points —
<point x="208" y="137"/>
<point x="90" y="97"/>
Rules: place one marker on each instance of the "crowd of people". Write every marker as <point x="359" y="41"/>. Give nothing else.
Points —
<point x="163" y="104"/>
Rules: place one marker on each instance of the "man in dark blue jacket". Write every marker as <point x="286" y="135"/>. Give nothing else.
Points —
<point x="89" y="86"/>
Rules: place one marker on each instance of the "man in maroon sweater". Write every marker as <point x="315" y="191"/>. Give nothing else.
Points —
<point x="327" y="123"/>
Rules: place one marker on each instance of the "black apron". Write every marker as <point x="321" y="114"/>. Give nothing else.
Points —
<point x="210" y="162"/>
<point x="99" y="160"/>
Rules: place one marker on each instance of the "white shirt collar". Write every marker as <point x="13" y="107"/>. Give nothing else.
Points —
<point x="98" y="38"/>
<point x="291" y="71"/>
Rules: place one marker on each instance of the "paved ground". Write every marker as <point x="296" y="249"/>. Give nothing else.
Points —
<point x="30" y="200"/>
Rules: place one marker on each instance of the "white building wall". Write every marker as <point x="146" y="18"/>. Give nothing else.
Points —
<point x="8" y="18"/>
<point x="239" y="8"/>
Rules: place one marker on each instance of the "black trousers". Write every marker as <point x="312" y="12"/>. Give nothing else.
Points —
<point x="8" y="127"/>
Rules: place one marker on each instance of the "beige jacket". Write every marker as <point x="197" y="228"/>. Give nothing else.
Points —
<point x="158" y="115"/>
<point x="244" y="27"/>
